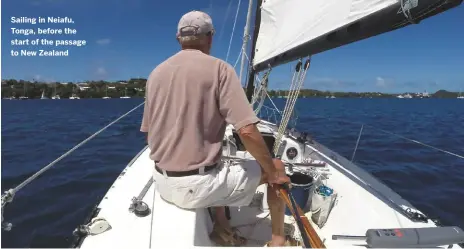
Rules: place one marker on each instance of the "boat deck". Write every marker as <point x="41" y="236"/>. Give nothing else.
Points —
<point x="362" y="203"/>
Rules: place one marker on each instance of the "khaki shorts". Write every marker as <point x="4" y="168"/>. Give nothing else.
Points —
<point x="227" y="185"/>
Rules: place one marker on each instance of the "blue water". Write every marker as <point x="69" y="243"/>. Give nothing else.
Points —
<point x="45" y="212"/>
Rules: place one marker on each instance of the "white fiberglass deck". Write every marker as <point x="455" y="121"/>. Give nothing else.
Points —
<point x="360" y="206"/>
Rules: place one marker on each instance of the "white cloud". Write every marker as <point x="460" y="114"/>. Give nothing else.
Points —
<point x="330" y="83"/>
<point x="41" y="78"/>
<point x="105" y="41"/>
<point x="383" y="82"/>
<point x="380" y="82"/>
<point x="101" y="71"/>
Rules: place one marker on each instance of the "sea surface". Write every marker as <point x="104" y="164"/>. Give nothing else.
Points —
<point x="45" y="212"/>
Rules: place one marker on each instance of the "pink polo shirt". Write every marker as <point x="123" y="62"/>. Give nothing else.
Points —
<point x="190" y="98"/>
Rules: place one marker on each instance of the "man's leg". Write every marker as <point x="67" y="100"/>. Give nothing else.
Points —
<point x="277" y="210"/>
<point x="221" y="217"/>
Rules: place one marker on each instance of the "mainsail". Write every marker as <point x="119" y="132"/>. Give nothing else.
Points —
<point x="292" y="29"/>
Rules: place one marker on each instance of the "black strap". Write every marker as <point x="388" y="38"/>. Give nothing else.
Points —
<point x="185" y="173"/>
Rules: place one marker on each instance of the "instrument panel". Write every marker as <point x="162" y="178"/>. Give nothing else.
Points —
<point x="291" y="153"/>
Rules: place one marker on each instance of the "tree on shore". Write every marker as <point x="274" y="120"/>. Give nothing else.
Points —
<point x="89" y="89"/>
<point x="135" y="87"/>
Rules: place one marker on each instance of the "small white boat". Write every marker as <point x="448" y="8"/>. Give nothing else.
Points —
<point x="74" y="95"/>
<point x="43" y="95"/>
<point x="106" y="94"/>
<point x="404" y="96"/>
<point x="55" y="95"/>
<point x="24" y="97"/>
<point x="125" y="95"/>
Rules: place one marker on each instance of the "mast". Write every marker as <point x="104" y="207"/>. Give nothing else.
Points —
<point x="251" y="75"/>
<point x="245" y="37"/>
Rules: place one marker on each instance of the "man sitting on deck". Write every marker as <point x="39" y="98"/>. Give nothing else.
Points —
<point x="190" y="98"/>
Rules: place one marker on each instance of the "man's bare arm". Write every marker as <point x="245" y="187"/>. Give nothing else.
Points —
<point x="254" y="143"/>
<point x="236" y="110"/>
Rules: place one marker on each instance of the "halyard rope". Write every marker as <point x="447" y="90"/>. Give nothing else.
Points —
<point x="297" y="82"/>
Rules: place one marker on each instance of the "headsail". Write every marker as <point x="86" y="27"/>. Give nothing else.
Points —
<point x="291" y="29"/>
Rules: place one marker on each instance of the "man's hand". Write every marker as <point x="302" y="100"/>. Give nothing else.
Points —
<point x="278" y="176"/>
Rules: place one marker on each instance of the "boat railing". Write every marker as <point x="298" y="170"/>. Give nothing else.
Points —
<point x="7" y="196"/>
<point x="406" y="164"/>
<point x="401" y="161"/>
<point x="346" y="132"/>
<point x="366" y="135"/>
<point x="274" y="115"/>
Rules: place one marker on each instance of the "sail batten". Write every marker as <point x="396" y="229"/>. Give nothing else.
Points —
<point x="291" y="29"/>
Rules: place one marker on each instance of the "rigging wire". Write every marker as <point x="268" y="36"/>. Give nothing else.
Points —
<point x="225" y="20"/>
<point x="9" y="194"/>
<point x="262" y="92"/>
<point x="383" y="131"/>
<point x="233" y="29"/>
<point x="238" y="58"/>
<point x="419" y="142"/>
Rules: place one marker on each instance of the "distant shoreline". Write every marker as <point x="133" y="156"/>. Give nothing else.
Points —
<point x="135" y="88"/>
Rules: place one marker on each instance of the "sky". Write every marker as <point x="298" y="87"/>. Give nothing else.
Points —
<point x="128" y="38"/>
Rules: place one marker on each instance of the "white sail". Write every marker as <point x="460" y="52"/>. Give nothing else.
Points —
<point x="291" y="29"/>
<point x="290" y="23"/>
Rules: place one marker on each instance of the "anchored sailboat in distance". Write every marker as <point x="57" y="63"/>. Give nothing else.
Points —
<point x="24" y="97"/>
<point x="55" y="96"/>
<point x="43" y="95"/>
<point x="74" y="95"/>
<point x="106" y="94"/>
<point x="133" y="215"/>
<point x="125" y="95"/>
